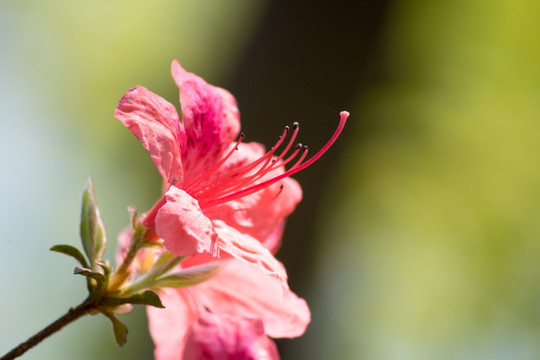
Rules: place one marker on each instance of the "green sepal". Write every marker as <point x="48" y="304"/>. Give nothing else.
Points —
<point x="145" y="298"/>
<point x="71" y="251"/>
<point x="120" y="330"/>
<point x="100" y="278"/>
<point x="92" y="228"/>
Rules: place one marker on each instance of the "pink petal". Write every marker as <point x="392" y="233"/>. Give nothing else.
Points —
<point x="239" y="291"/>
<point x="273" y="241"/>
<point x="250" y="251"/>
<point x="210" y="117"/>
<point x="182" y="225"/>
<point x="154" y="121"/>
<point x="169" y="326"/>
<point x="217" y="336"/>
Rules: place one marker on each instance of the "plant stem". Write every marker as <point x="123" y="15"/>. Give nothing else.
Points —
<point x="123" y="272"/>
<point x="72" y="315"/>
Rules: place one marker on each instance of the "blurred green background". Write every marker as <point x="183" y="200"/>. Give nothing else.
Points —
<point x="419" y="233"/>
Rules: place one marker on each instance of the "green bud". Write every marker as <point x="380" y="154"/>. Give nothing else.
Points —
<point x="92" y="229"/>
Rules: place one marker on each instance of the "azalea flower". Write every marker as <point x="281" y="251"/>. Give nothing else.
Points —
<point x="223" y="337"/>
<point x="223" y="195"/>
<point x="225" y="203"/>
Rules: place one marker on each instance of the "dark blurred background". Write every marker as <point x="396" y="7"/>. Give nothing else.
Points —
<point x="418" y="235"/>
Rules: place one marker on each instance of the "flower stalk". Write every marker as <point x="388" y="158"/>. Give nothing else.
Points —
<point x="73" y="314"/>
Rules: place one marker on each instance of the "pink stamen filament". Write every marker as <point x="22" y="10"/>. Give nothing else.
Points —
<point x="277" y="164"/>
<point x="293" y="170"/>
<point x="269" y="165"/>
<point x="296" y="127"/>
<point x="221" y="210"/>
<point x="219" y="183"/>
<point x="234" y="183"/>
<point x="215" y="167"/>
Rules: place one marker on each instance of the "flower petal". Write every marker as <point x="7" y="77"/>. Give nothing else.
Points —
<point x="168" y="327"/>
<point x="218" y="336"/>
<point x="210" y="117"/>
<point x="182" y="225"/>
<point x="250" y="251"/>
<point x="154" y="121"/>
<point x="239" y="291"/>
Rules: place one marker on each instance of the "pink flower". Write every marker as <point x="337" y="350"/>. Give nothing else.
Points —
<point x="221" y="337"/>
<point x="223" y="195"/>
<point x="223" y="199"/>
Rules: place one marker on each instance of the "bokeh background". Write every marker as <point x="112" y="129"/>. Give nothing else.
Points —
<point x="419" y="233"/>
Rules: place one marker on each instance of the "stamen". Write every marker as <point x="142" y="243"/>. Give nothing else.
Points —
<point x="269" y="165"/>
<point x="220" y="182"/>
<point x="298" y="166"/>
<point x="288" y="160"/>
<point x="222" y="210"/>
<point x="215" y="167"/>
<point x="296" y="127"/>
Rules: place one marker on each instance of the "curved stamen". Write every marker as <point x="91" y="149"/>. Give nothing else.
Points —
<point x="296" y="168"/>
<point x="270" y="165"/>
<point x="218" y="183"/>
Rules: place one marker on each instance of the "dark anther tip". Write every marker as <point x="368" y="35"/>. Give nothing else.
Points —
<point x="295" y="125"/>
<point x="298" y="146"/>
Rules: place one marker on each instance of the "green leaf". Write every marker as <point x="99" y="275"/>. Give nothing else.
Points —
<point x="190" y="276"/>
<point x="145" y="298"/>
<point x="71" y="251"/>
<point x="152" y="244"/>
<point x="106" y="266"/>
<point x="100" y="278"/>
<point x="92" y="228"/>
<point x="120" y="330"/>
<point x="166" y="262"/>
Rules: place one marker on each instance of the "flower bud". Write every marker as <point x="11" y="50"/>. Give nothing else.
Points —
<point x="92" y="229"/>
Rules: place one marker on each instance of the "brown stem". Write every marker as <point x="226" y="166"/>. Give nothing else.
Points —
<point x="72" y="315"/>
